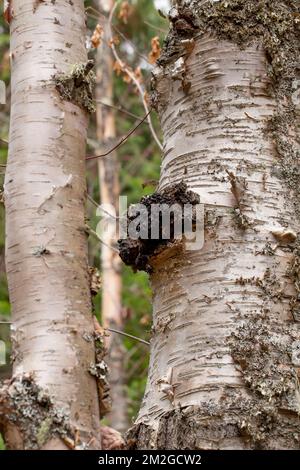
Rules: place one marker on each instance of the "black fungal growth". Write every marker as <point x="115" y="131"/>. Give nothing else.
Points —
<point x="137" y="252"/>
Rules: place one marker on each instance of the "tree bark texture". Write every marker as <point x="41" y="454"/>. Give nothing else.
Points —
<point x="225" y="357"/>
<point x="51" y="401"/>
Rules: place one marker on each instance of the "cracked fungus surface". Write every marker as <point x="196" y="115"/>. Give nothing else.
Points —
<point x="138" y="253"/>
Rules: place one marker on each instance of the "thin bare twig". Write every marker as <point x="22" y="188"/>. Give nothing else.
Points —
<point x="142" y="56"/>
<point x="93" y="201"/>
<point x="95" y="13"/>
<point x="103" y="210"/>
<point x="93" y="157"/>
<point x="4" y="141"/>
<point x="164" y="31"/>
<point x="132" y="76"/>
<point x="122" y="110"/>
<point x="95" y="234"/>
<point x="128" y="336"/>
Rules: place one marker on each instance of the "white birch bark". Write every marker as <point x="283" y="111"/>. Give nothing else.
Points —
<point x="224" y="362"/>
<point x="53" y="397"/>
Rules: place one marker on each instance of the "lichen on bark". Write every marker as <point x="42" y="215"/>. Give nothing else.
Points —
<point x="77" y="86"/>
<point x="275" y="23"/>
<point x="293" y="273"/>
<point x="264" y="351"/>
<point x="24" y="404"/>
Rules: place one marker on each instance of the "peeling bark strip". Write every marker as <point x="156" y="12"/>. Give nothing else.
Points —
<point x="46" y="246"/>
<point x="224" y="367"/>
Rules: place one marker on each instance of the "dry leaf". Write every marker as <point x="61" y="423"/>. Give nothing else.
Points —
<point x="70" y="443"/>
<point x="145" y="320"/>
<point x="126" y="77"/>
<point x="8" y="11"/>
<point x="125" y="12"/>
<point x="285" y="236"/>
<point x="97" y="36"/>
<point x="155" y="50"/>
<point x="238" y="186"/>
<point x="138" y="74"/>
<point x="115" y="40"/>
<point x="98" y="328"/>
<point x="117" y="68"/>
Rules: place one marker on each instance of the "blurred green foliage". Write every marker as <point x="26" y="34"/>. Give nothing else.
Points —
<point x="139" y="165"/>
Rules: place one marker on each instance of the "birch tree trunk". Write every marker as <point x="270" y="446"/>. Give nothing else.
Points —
<point x="109" y="196"/>
<point x="51" y="401"/>
<point x="225" y="351"/>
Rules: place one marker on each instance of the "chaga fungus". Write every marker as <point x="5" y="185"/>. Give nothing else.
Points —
<point x="138" y="252"/>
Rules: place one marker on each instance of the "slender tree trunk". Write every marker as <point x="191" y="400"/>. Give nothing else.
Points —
<point x="109" y="195"/>
<point x="224" y="368"/>
<point x="51" y="401"/>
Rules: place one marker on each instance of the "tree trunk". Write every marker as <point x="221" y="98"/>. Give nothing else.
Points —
<point x="224" y="368"/>
<point x="51" y="401"/>
<point x="109" y="196"/>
